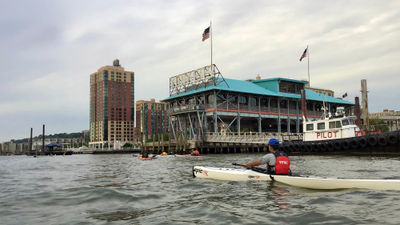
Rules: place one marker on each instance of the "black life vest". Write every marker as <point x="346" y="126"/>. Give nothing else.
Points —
<point x="282" y="163"/>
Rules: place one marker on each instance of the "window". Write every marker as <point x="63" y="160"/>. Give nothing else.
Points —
<point x="345" y="122"/>
<point x="264" y="102"/>
<point x="332" y="125"/>
<point x="232" y="99"/>
<point x="210" y="99"/>
<point x="253" y="101"/>
<point x="290" y="87"/>
<point x="283" y="104"/>
<point x="292" y="105"/>
<point x="321" y="126"/>
<point x="338" y="124"/>
<point x="243" y="100"/>
<point x="274" y="103"/>
<point x="221" y="98"/>
<point x="310" y="126"/>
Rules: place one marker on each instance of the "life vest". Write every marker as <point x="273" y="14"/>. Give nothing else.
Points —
<point x="282" y="164"/>
<point x="196" y="153"/>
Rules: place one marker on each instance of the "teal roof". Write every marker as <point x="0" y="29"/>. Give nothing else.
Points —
<point x="280" y="78"/>
<point x="253" y="87"/>
<point x="312" y="95"/>
<point x="234" y="86"/>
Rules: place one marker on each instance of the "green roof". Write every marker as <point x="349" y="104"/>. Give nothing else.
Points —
<point x="278" y="79"/>
<point x="234" y="86"/>
<point x="254" y="87"/>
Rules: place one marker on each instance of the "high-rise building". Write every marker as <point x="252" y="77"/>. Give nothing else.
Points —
<point x="112" y="102"/>
<point x="151" y="118"/>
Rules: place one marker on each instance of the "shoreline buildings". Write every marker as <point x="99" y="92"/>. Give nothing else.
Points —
<point x="390" y="117"/>
<point x="151" y="119"/>
<point x="112" y="102"/>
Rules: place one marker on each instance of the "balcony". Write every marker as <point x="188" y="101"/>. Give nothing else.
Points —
<point x="254" y="109"/>
<point x="186" y="108"/>
<point x="249" y="137"/>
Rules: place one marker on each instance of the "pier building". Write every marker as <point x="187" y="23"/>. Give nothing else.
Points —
<point x="151" y="118"/>
<point x="205" y="107"/>
<point x="112" y="102"/>
<point x="320" y="90"/>
<point x="390" y="117"/>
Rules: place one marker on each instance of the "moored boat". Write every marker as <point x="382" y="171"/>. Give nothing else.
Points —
<point x="339" y="133"/>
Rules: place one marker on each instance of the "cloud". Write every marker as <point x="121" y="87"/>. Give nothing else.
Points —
<point x="49" y="49"/>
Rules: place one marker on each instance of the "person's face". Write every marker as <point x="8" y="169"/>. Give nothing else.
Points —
<point x="270" y="148"/>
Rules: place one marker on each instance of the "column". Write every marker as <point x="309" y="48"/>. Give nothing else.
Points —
<point x="279" y="116"/>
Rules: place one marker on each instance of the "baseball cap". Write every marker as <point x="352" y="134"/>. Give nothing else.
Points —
<point x="273" y="142"/>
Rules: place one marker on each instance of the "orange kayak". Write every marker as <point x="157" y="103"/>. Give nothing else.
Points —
<point x="141" y="158"/>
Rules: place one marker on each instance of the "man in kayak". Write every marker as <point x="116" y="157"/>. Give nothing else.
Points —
<point x="145" y="154"/>
<point x="195" y="152"/>
<point x="277" y="161"/>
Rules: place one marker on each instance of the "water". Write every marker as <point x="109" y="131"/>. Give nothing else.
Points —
<point x="121" y="189"/>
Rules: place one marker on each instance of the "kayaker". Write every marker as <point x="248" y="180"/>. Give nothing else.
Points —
<point x="145" y="154"/>
<point x="195" y="152"/>
<point x="277" y="161"/>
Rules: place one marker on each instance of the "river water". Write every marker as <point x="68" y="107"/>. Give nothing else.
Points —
<point x="121" y="189"/>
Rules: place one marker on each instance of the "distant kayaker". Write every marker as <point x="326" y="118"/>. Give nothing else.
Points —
<point x="195" y="152"/>
<point x="145" y="154"/>
<point x="277" y="161"/>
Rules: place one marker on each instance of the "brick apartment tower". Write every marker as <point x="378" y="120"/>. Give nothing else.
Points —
<point x="112" y="102"/>
<point x="151" y="118"/>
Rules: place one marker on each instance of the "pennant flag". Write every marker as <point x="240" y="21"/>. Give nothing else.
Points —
<point x="304" y="54"/>
<point x="206" y="34"/>
<point x="345" y="95"/>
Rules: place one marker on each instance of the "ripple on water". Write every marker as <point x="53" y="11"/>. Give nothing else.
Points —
<point x="120" y="189"/>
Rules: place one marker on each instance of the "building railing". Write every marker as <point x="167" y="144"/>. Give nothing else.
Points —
<point x="186" y="108"/>
<point x="256" y="109"/>
<point x="249" y="137"/>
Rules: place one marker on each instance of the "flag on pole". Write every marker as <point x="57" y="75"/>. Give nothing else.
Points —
<point x="345" y="95"/>
<point x="206" y="34"/>
<point x="304" y="54"/>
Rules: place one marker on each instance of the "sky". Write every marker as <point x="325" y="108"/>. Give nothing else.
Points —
<point x="48" y="50"/>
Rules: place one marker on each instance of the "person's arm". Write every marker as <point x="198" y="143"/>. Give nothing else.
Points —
<point x="252" y="164"/>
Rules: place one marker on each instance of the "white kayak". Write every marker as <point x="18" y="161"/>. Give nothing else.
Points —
<point x="242" y="174"/>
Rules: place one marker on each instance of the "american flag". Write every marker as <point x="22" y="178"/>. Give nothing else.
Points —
<point x="206" y="34"/>
<point x="304" y="54"/>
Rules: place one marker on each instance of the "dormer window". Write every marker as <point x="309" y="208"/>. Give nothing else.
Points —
<point x="290" y="87"/>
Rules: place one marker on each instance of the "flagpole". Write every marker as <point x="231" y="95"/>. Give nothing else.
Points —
<point x="308" y="67"/>
<point x="212" y="70"/>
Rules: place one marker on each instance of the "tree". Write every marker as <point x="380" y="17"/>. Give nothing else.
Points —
<point x="166" y="137"/>
<point x="127" y="145"/>
<point x="378" y="124"/>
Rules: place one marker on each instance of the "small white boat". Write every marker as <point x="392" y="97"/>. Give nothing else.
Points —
<point x="242" y="174"/>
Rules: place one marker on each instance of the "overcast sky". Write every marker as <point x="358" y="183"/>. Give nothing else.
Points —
<point x="49" y="48"/>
